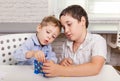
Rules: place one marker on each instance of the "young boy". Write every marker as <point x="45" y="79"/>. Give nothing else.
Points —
<point x="38" y="46"/>
<point x="84" y="53"/>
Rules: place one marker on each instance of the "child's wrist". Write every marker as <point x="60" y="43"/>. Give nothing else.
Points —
<point x="29" y="55"/>
<point x="33" y="53"/>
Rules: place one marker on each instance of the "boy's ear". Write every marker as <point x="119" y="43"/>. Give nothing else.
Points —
<point x="38" y="28"/>
<point x="83" y="21"/>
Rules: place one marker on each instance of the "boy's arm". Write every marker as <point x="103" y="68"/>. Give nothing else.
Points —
<point x="88" y="69"/>
<point x="20" y="53"/>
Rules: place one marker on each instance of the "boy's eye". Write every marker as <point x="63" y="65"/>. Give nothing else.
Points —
<point x="48" y="32"/>
<point x="53" y="36"/>
<point x="69" y="24"/>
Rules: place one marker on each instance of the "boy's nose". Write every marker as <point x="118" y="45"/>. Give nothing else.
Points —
<point x="66" y="30"/>
<point x="49" y="36"/>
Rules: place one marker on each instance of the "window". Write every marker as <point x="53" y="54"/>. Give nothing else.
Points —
<point x="104" y="9"/>
<point x="61" y="4"/>
<point x="104" y="15"/>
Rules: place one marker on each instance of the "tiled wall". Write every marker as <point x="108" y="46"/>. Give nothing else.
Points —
<point x="57" y="47"/>
<point x="115" y="54"/>
<point x="115" y="57"/>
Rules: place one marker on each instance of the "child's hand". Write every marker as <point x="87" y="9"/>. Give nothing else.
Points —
<point x="40" y="56"/>
<point x="66" y="62"/>
<point x="51" y="69"/>
<point x="49" y="61"/>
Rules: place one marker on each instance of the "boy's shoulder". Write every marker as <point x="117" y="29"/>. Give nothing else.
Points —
<point x="97" y="37"/>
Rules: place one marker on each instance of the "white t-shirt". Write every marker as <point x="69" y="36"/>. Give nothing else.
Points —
<point x="94" y="45"/>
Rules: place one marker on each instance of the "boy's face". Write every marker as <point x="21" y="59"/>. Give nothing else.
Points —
<point x="73" y="28"/>
<point x="47" y="34"/>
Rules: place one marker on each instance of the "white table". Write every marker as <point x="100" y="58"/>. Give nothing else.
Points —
<point x="25" y="73"/>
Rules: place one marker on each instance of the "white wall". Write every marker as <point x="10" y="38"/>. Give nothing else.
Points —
<point x="23" y="15"/>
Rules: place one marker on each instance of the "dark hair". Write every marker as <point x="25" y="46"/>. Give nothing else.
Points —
<point x="51" y="20"/>
<point x="76" y="11"/>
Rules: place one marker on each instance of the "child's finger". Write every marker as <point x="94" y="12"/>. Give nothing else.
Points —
<point x="70" y="61"/>
<point x="65" y="63"/>
<point x="41" y="57"/>
<point x="44" y="60"/>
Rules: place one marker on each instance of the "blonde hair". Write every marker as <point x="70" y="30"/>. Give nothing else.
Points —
<point x="51" y="20"/>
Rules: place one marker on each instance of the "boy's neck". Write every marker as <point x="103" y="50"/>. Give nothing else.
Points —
<point x="39" y="41"/>
<point x="81" y="39"/>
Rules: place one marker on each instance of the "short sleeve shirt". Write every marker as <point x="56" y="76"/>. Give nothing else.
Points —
<point x="94" y="45"/>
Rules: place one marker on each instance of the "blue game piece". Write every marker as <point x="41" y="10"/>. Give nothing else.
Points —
<point x="38" y="67"/>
